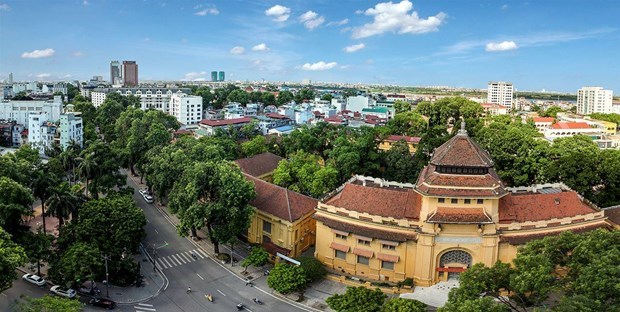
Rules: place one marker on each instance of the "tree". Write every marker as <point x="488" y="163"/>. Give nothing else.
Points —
<point x="80" y="263"/>
<point x="286" y="278"/>
<point x="402" y="107"/>
<point x="478" y="304"/>
<point x="551" y="112"/>
<point x="258" y="257"/>
<point x="407" y="123"/>
<point x="357" y="299"/>
<point x="41" y="185"/>
<point x="302" y="173"/>
<point x="399" y="164"/>
<point x="11" y="257"/>
<point x="268" y="98"/>
<point x="215" y="195"/>
<point x="406" y="305"/>
<point x="284" y="97"/>
<point x="238" y="96"/>
<point x="37" y="246"/>
<point x="304" y="95"/>
<point x="313" y="268"/>
<point x="107" y="114"/>
<point x="206" y="94"/>
<point x="254" y="147"/>
<point x="14" y="203"/>
<point x="327" y="97"/>
<point x="62" y="202"/>
<point x="575" y="161"/>
<point x="49" y="303"/>
<point x="608" y="192"/>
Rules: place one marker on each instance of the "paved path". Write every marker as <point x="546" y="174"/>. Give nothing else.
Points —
<point x="436" y="295"/>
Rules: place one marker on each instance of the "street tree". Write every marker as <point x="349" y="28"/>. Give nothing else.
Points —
<point x="106" y="117"/>
<point x="37" y="246"/>
<point x="76" y="265"/>
<point x="258" y="257"/>
<point x="406" y="305"/>
<point x="11" y="256"/>
<point x="313" y="268"/>
<point x="62" y="202"/>
<point x="41" y="186"/>
<point x="48" y="303"/>
<point x="477" y="304"/>
<point x="357" y="299"/>
<point x="286" y="278"/>
<point x="15" y="202"/>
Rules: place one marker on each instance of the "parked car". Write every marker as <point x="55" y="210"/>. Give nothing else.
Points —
<point x="144" y="192"/>
<point x="63" y="292"/>
<point x="34" y="279"/>
<point x="148" y="198"/>
<point x="103" y="303"/>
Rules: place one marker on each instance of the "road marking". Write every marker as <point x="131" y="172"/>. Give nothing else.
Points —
<point x="4" y="295"/>
<point x="178" y="259"/>
<point x="166" y="261"/>
<point x="197" y="254"/>
<point x="200" y="276"/>
<point x="161" y="263"/>
<point x="223" y="294"/>
<point x="145" y="304"/>
<point x="186" y="257"/>
<point x="156" y="231"/>
<point x="138" y="308"/>
<point x="173" y="262"/>
<point x="200" y="252"/>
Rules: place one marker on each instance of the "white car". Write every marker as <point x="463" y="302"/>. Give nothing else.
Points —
<point x="63" y="292"/>
<point x="144" y="192"/>
<point x="148" y="198"/>
<point x="34" y="279"/>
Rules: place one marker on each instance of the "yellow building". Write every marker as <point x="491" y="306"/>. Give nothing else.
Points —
<point x="387" y="143"/>
<point x="282" y="221"/>
<point x="457" y="214"/>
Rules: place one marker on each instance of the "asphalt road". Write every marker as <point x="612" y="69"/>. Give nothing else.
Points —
<point x="202" y="275"/>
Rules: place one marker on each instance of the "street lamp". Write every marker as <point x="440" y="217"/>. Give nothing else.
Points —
<point x="107" y="276"/>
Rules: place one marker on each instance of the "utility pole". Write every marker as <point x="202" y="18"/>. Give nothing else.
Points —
<point x="107" y="276"/>
<point x="154" y="258"/>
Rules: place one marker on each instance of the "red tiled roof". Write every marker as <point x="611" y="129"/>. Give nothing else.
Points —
<point x="225" y="122"/>
<point x="386" y="257"/>
<point x="182" y="131"/>
<point x="280" y="202"/>
<point x="333" y="119"/>
<point x="613" y="214"/>
<point x="395" y="202"/>
<point x="459" y="215"/>
<point x="543" y="119"/>
<point x="491" y="105"/>
<point x="341" y="247"/>
<point x="516" y="207"/>
<point x="363" y="252"/>
<point x="570" y="125"/>
<point x="434" y="183"/>
<point x="276" y="116"/>
<point x="367" y="231"/>
<point x="522" y="239"/>
<point x="317" y="113"/>
<point x="461" y="151"/>
<point x="408" y="139"/>
<point x="260" y="164"/>
<point x="273" y="249"/>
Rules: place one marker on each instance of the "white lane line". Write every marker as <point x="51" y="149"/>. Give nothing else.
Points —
<point x="143" y="309"/>
<point x="166" y="261"/>
<point x="161" y="263"/>
<point x="181" y="255"/>
<point x="3" y="294"/>
<point x="197" y="254"/>
<point x="181" y="261"/>
<point x="200" y="252"/>
<point x="186" y="256"/>
<point x="189" y="254"/>
<point x="145" y="304"/>
<point x="200" y="276"/>
<point x="223" y="294"/>
<point x="156" y="231"/>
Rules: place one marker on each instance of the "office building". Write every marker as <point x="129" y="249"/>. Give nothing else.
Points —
<point x="71" y="130"/>
<point x="186" y="108"/>
<point x="19" y="110"/>
<point x="213" y="76"/>
<point x="130" y="73"/>
<point x="221" y="76"/>
<point x="594" y="100"/>
<point x="115" y="73"/>
<point x="500" y="93"/>
<point x="155" y="98"/>
<point x="10" y="81"/>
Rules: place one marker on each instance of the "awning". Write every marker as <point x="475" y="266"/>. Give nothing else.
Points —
<point x="340" y="232"/>
<point x="341" y="247"/>
<point x="389" y="243"/>
<point x="388" y="258"/>
<point x="363" y="252"/>
<point x="364" y="238"/>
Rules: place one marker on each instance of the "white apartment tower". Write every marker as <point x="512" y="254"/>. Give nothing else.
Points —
<point x="594" y="100"/>
<point x="500" y="93"/>
<point x="186" y="108"/>
<point x="41" y="132"/>
<point x="71" y="130"/>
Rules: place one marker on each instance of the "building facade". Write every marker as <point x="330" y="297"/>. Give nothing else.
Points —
<point x="499" y="92"/>
<point x="130" y="73"/>
<point x="116" y="73"/>
<point x="41" y="131"/>
<point x="71" y="130"/>
<point x="221" y="76"/>
<point x="186" y="108"/>
<point x="458" y="213"/>
<point x="213" y="76"/>
<point x="19" y="110"/>
<point x="594" y="100"/>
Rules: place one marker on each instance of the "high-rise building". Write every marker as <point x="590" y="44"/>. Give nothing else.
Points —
<point x="213" y="76"/>
<point x="115" y="72"/>
<point x="10" y="78"/>
<point x="130" y="73"/>
<point x="594" y="100"/>
<point x="71" y="130"/>
<point x="221" y="76"/>
<point x="500" y="93"/>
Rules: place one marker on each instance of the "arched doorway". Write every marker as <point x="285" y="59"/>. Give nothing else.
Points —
<point x="452" y="263"/>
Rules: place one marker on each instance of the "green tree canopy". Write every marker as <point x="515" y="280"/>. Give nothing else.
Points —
<point x="313" y="268"/>
<point x="286" y="278"/>
<point x="258" y="257"/>
<point x="239" y="96"/>
<point x="302" y="173"/>
<point x="357" y="299"/>
<point x="406" y="305"/>
<point x="254" y="147"/>
<point x="15" y="201"/>
<point x="402" y="107"/>
<point x="11" y="256"/>
<point x="399" y="164"/>
<point x="49" y="303"/>
<point x="284" y="97"/>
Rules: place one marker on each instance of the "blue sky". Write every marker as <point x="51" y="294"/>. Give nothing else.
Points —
<point x="552" y="44"/>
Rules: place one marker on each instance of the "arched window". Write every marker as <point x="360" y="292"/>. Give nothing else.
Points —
<point x="455" y="256"/>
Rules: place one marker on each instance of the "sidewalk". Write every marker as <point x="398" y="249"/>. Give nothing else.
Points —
<point x="314" y="296"/>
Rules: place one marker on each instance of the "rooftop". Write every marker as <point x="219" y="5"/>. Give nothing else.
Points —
<point x="408" y="139"/>
<point x="542" y="205"/>
<point x="461" y="151"/>
<point x="543" y="119"/>
<point x="570" y="125"/>
<point x="260" y="164"/>
<point x="224" y="122"/>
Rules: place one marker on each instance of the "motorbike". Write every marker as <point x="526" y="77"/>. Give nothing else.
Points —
<point x="257" y="301"/>
<point x="240" y="307"/>
<point x="209" y="297"/>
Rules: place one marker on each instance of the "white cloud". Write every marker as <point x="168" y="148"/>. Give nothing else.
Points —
<point x="67" y="76"/>
<point x="212" y="11"/>
<point x="395" y="17"/>
<point x="237" y="50"/>
<point x="147" y="39"/>
<point x="43" y="75"/>
<point x="195" y="76"/>
<point x="319" y="66"/>
<point x="501" y="46"/>
<point x="354" y="48"/>
<point x="78" y="53"/>
<point x="85" y="2"/>
<point x="260" y="47"/>
<point x="311" y="20"/>
<point x="504" y="7"/>
<point x="5" y="7"/>
<point x="39" y="53"/>
<point x="358" y="12"/>
<point x="339" y="23"/>
<point x="344" y="66"/>
<point x="278" y="13"/>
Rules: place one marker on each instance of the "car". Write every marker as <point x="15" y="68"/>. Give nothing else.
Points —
<point x="144" y="192"/>
<point x="148" y="198"/>
<point x="34" y="279"/>
<point x="103" y="303"/>
<point x="63" y="292"/>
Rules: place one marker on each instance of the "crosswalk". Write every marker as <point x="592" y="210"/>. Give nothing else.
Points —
<point x="181" y="258"/>
<point x="144" y="307"/>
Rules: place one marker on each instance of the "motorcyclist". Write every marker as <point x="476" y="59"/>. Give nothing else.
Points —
<point x="189" y="290"/>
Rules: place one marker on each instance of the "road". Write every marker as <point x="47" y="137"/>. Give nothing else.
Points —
<point x="203" y="274"/>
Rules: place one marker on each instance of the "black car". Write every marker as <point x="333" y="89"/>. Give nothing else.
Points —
<point x="103" y="303"/>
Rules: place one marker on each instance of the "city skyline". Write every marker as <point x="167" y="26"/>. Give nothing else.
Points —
<point x="533" y="45"/>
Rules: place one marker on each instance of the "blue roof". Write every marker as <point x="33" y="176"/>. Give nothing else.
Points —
<point x="284" y="128"/>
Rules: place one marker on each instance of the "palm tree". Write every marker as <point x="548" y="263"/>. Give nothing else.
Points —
<point x="87" y="168"/>
<point x="62" y="202"/>
<point x="41" y="185"/>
